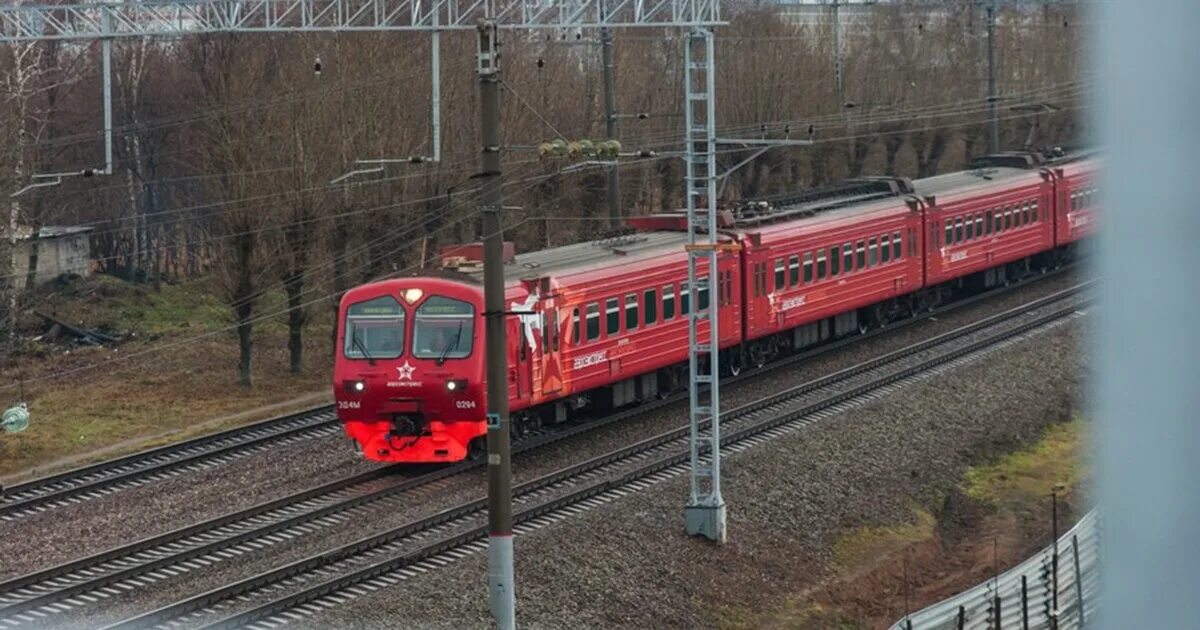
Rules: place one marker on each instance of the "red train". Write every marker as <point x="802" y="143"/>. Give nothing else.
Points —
<point x="606" y="324"/>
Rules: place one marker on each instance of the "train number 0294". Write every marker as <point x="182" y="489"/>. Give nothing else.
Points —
<point x="464" y="404"/>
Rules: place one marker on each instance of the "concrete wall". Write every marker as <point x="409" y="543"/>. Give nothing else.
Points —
<point x="59" y="255"/>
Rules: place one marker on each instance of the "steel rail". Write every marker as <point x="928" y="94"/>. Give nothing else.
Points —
<point x="770" y="405"/>
<point x="94" y="480"/>
<point x="45" y="589"/>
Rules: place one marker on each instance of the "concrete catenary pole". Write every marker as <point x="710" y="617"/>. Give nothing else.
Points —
<point x="993" y="122"/>
<point x="837" y="53"/>
<point x="610" y="121"/>
<point x="500" y="540"/>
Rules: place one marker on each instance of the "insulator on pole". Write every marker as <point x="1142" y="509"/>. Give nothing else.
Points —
<point x="15" y="419"/>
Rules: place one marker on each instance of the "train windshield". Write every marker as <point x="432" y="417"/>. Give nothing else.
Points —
<point x="374" y="329"/>
<point x="443" y="329"/>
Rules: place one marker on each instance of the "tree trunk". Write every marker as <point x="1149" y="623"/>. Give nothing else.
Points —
<point x="294" y="286"/>
<point x="340" y="270"/>
<point x="243" y="304"/>
<point x="245" y="329"/>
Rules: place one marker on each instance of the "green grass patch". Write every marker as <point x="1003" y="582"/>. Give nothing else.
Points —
<point x="795" y="614"/>
<point x="1019" y="478"/>
<point x="860" y="545"/>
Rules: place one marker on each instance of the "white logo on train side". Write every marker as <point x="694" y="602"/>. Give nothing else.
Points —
<point x="590" y="359"/>
<point x="788" y="304"/>
<point x="529" y="319"/>
<point x="794" y="302"/>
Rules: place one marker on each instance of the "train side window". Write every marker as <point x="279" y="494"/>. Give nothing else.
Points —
<point x="702" y="293"/>
<point x="949" y="232"/>
<point x="575" y="326"/>
<point x="631" y="311"/>
<point x="978" y="225"/>
<point x="762" y="279"/>
<point x="885" y="248"/>
<point x="1036" y="214"/>
<point x="987" y="222"/>
<point x="612" y="315"/>
<point x="897" y="246"/>
<point x="872" y="253"/>
<point x="835" y="261"/>
<point x="861" y="257"/>
<point x="552" y="326"/>
<point x="958" y="230"/>
<point x="912" y="242"/>
<point x="668" y="302"/>
<point x="970" y="232"/>
<point x="794" y="269"/>
<point x="720" y="288"/>
<point x="821" y="264"/>
<point x="780" y="266"/>
<point x="848" y="257"/>
<point x="593" y="321"/>
<point x="685" y="299"/>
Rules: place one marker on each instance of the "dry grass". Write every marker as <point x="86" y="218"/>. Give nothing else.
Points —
<point x="1008" y="494"/>
<point x="1027" y="477"/>
<point x="165" y="382"/>
<point x="859" y="547"/>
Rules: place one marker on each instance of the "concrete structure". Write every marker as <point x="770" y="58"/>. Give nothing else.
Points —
<point x="61" y="250"/>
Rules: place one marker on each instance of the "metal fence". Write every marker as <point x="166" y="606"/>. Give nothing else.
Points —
<point x="1023" y="597"/>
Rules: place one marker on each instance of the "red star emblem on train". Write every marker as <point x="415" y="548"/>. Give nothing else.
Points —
<point x="406" y="371"/>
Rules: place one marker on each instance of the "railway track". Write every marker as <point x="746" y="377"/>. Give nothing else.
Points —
<point x="102" y="478"/>
<point x="78" y="584"/>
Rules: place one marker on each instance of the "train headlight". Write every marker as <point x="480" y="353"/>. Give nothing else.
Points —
<point x="355" y="387"/>
<point x="412" y="295"/>
<point x="359" y="386"/>
<point x="456" y="385"/>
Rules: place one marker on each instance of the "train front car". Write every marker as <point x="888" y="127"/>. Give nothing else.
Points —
<point x="408" y="376"/>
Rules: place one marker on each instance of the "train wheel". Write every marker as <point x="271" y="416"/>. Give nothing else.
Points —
<point x="477" y="448"/>
<point x="758" y="355"/>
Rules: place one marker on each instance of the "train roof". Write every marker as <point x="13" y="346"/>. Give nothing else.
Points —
<point x="966" y="181"/>
<point x="588" y="256"/>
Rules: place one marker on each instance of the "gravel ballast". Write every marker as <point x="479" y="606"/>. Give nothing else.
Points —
<point x="628" y="564"/>
<point x="154" y="508"/>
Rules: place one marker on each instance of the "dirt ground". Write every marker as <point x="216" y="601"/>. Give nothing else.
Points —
<point x="173" y="373"/>
<point x="998" y="517"/>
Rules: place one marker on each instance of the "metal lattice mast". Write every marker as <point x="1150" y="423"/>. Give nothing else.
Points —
<point x="173" y="18"/>
<point x="993" y="122"/>
<point x="706" y="509"/>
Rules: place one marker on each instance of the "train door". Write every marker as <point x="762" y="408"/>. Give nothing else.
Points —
<point x="524" y="362"/>
<point x="551" y="372"/>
